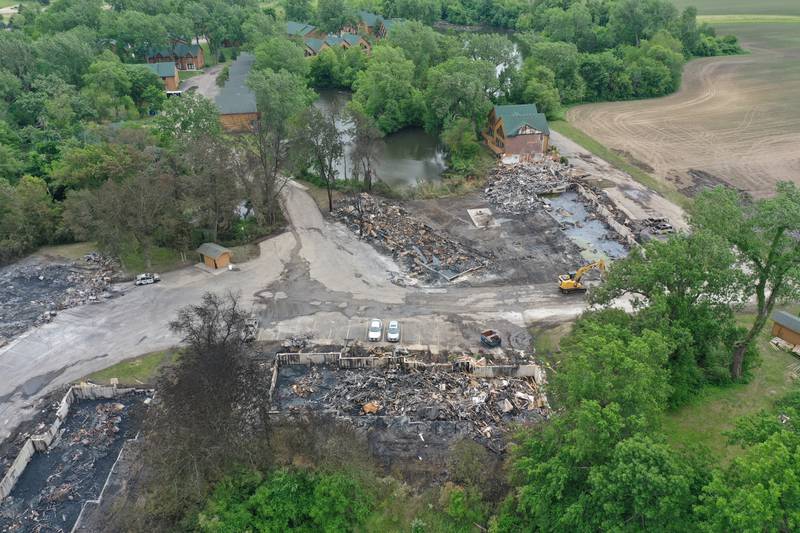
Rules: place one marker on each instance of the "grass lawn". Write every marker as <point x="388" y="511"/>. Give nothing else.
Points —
<point x="749" y="19"/>
<point x="72" y="252"/>
<point x="601" y="151"/>
<point x="704" y="420"/>
<point x="728" y="7"/>
<point x="7" y="3"/>
<point x="186" y="74"/>
<point x="134" y="372"/>
<point x="163" y="260"/>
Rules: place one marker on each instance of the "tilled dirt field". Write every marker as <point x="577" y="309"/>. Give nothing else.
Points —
<point x="735" y="120"/>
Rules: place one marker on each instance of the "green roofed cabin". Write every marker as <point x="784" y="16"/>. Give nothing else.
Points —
<point x="517" y="130"/>
<point x="185" y="56"/>
<point x="168" y="73"/>
<point x="315" y="46"/>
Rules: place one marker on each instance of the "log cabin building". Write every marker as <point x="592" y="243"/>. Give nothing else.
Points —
<point x="517" y="130"/>
<point x="185" y="56"/>
<point x="236" y="102"/>
<point x="168" y="73"/>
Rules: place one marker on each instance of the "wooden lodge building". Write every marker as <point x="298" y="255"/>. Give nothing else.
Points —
<point x="168" y="73"/>
<point x="185" y="56"/>
<point x="517" y="130"/>
<point x="236" y="102"/>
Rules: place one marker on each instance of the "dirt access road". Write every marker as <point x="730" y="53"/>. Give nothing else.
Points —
<point x="317" y="277"/>
<point x="736" y="119"/>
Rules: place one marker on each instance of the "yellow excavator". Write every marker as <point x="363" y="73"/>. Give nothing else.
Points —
<point x="569" y="283"/>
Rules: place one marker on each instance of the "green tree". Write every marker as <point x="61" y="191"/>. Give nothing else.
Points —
<point x="17" y="55"/>
<point x="278" y="53"/>
<point x="67" y="55"/>
<point x="759" y="491"/>
<point x="644" y="486"/>
<point x="280" y="96"/>
<point x="540" y="89"/>
<point x="563" y="60"/>
<point x="427" y="11"/>
<point x="459" y="87"/>
<point x="763" y="234"/>
<point x="333" y="15"/>
<point x="108" y="84"/>
<point x="610" y="364"/>
<point x="418" y="43"/>
<point x="605" y="77"/>
<point x="462" y="145"/>
<point x="298" y="10"/>
<point x="319" y="140"/>
<point x="386" y="91"/>
<point x="191" y="115"/>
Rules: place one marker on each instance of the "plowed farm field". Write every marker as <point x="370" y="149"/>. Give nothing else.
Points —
<point x="735" y="120"/>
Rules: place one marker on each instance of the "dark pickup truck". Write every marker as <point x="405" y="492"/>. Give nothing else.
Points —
<point x="490" y="338"/>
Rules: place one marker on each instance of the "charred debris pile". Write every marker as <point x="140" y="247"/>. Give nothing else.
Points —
<point x="425" y="252"/>
<point x="33" y="293"/>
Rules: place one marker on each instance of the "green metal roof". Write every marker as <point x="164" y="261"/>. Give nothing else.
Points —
<point x="179" y="50"/>
<point x="786" y="320"/>
<point x="516" y="116"/>
<point x="350" y="39"/>
<point x="315" y="44"/>
<point x="299" y="28"/>
<point x="236" y="97"/>
<point x="333" y="40"/>
<point x="211" y="249"/>
<point x="370" y="19"/>
<point x="388" y="23"/>
<point x="165" y="69"/>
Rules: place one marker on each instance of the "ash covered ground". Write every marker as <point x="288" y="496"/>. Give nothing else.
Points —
<point x="49" y="495"/>
<point x="412" y="418"/>
<point x="32" y="291"/>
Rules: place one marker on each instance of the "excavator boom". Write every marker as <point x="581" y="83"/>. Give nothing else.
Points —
<point x="569" y="283"/>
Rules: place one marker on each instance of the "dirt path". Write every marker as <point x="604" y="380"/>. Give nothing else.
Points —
<point x="735" y="119"/>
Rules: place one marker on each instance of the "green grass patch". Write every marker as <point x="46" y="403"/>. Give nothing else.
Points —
<point x="162" y="260"/>
<point x="136" y="372"/>
<point x="601" y="151"/>
<point x="73" y="252"/>
<point x="749" y="19"/>
<point x="8" y="3"/>
<point x="186" y="74"/>
<point x="706" y="419"/>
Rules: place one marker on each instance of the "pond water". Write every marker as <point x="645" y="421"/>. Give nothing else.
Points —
<point x="405" y="157"/>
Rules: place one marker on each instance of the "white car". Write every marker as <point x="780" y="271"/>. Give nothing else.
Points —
<point x="146" y="279"/>
<point x="375" y="330"/>
<point x="393" y="331"/>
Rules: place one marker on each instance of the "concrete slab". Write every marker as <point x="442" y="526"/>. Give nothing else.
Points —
<point x="483" y="218"/>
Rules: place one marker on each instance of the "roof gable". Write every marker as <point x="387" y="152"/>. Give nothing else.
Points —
<point x="516" y="117"/>
<point x="370" y="19"/>
<point x="315" y="44"/>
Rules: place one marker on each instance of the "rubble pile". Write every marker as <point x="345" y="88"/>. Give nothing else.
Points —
<point x="49" y="495"/>
<point x="515" y="188"/>
<point x="652" y="227"/>
<point x="486" y="405"/>
<point x="33" y="293"/>
<point x="422" y="250"/>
